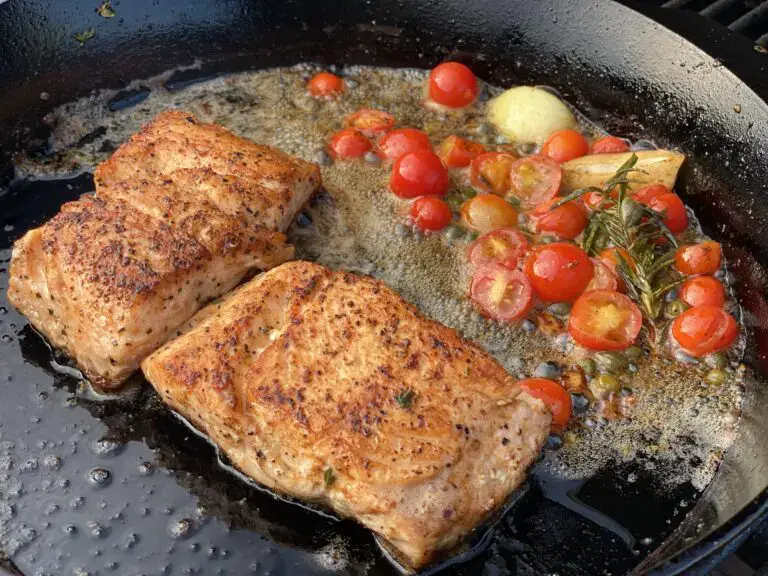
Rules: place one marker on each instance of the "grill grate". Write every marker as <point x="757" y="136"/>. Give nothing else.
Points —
<point x="747" y="17"/>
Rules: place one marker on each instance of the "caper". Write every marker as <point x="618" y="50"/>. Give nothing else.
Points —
<point x="548" y="369"/>
<point x="588" y="365"/>
<point x="634" y="352"/>
<point x="604" y="385"/>
<point x="611" y="362"/>
<point x="559" y="309"/>
<point x="675" y="308"/>
<point x="717" y="360"/>
<point x="716" y="376"/>
<point x="454" y="232"/>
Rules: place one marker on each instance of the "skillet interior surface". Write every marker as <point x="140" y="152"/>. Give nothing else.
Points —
<point x="121" y="484"/>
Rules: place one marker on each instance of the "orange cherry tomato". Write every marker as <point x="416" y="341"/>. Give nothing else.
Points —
<point x="458" y="152"/>
<point x="399" y="142"/>
<point x="559" y="272"/>
<point x="674" y="215"/>
<point x="565" y="145"/>
<point x="534" y="180"/>
<point x="419" y="173"/>
<point x="501" y="293"/>
<point x="648" y="194"/>
<point x="430" y="213"/>
<point x="452" y="84"/>
<point x="372" y="123"/>
<point x="555" y="398"/>
<point x="565" y="222"/>
<point x="705" y="329"/>
<point x="702" y="291"/>
<point x="603" y="278"/>
<point x="609" y="145"/>
<point x="489" y="172"/>
<point x="349" y="143"/>
<point x="325" y="85"/>
<point x="504" y="247"/>
<point x="604" y="320"/>
<point x="487" y="212"/>
<point x="702" y="258"/>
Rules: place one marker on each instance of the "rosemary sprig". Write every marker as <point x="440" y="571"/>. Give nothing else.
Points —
<point x="647" y="247"/>
<point x="84" y="36"/>
<point x="105" y="9"/>
<point x="328" y="477"/>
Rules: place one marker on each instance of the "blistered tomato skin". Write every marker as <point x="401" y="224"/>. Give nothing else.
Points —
<point x="419" y="173"/>
<point x="430" y="213"/>
<point x="673" y="210"/>
<point x="453" y="85"/>
<point x="555" y="397"/>
<point x="702" y="291"/>
<point x="566" y="221"/>
<point x="489" y="172"/>
<point x="609" y="145"/>
<point x="349" y="143"/>
<point x="459" y="152"/>
<point x="325" y="85"/>
<point x="565" y="145"/>
<point x="370" y="122"/>
<point x="705" y="329"/>
<point x="559" y="272"/>
<point x="534" y="180"/>
<point x="603" y="277"/>
<point x="400" y="142"/>
<point x="702" y="258"/>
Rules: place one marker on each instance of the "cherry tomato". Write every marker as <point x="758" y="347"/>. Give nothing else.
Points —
<point x="325" y="85"/>
<point x="349" y="143"/>
<point x="565" y="145"/>
<point x="609" y="145"/>
<point x="703" y="258"/>
<point x="504" y="247"/>
<point x="702" y="291"/>
<point x="603" y="278"/>
<point x="565" y="222"/>
<point x="559" y="272"/>
<point x="648" y="194"/>
<point x="370" y="122"/>
<point x="610" y="257"/>
<point x="490" y="172"/>
<point x="534" y="180"/>
<point x="452" y="84"/>
<point x="705" y="329"/>
<point x="430" y="213"/>
<point x="487" y="212"/>
<point x="604" y="320"/>
<point x="458" y="152"/>
<point x="500" y="293"/>
<point x="555" y="398"/>
<point x="419" y="173"/>
<point x="675" y="217"/>
<point x="399" y="142"/>
<point x="593" y="199"/>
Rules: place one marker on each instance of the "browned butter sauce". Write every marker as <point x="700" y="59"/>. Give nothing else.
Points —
<point x="359" y="225"/>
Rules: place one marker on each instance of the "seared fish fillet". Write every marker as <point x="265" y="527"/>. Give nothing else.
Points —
<point x="108" y="284"/>
<point x="328" y="387"/>
<point x="184" y="212"/>
<point x="240" y="177"/>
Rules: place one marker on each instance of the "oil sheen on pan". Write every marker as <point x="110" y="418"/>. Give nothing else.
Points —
<point x="116" y="482"/>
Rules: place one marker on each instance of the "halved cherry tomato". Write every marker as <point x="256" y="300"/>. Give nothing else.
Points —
<point x="555" y="398"/>
<point x="604" y="320"/>
<point x="430" y="213"/>
<point x="534" y="180"/>
<point x="419" y="173"/>
<point x="458" y="152"/>
<point x="565" y="222"/>
<point x="610" y="257"/>
<point x="452" y="84"/>
<point x="603" y="278"/>
<point x="609" y="145"/>
<point x="705" y="329"/>
<point x="702" y="291"/>
<point x="702" y="258"/>
<point x="565" y="145"/>
<point x="500" y="293"/>
<point x="559" y="272"/>
<point x="504" y="247"/>
<point x="399" y="142"/>
<point x="370" y="122"/>
<point x="490" y="172"/>
<point x="674" y="215"/>
<point x="325" y="85"/>
<point x="593" y="199"/>
<point x="349" y="143"/>
<point x="648" y="194"/>
<point x="487" y="212"/>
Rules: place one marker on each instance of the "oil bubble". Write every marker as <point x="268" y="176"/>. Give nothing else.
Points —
<point x="100" y="477"/>
<point x="107" y="447"/>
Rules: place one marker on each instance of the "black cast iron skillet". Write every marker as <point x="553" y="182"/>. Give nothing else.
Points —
<point x="120" y="486"/>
